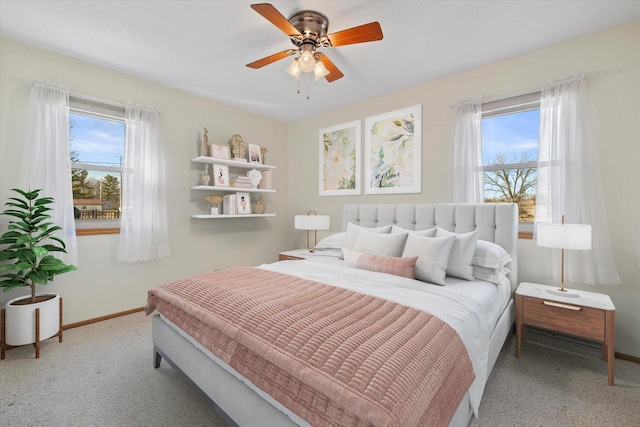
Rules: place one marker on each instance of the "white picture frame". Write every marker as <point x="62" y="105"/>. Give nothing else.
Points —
<point x="219" y="151"/>
<point x="255" y="155"/>
<point x="220" y="175"/>
<point x="393" y="152"/>
<point x="243" y="201"/>
<point x="340" y="161"/>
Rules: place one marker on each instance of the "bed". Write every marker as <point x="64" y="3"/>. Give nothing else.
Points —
<point x="491" y="310"/>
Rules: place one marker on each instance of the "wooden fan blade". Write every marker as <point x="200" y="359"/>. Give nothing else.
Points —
<point x="364" y="33"/>
<point x="334" y="72"/>
<point x="271" y="58"/>
<point x="272" y="15"/>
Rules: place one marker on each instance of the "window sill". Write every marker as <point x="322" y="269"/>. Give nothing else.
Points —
<point x="96" y="231"/>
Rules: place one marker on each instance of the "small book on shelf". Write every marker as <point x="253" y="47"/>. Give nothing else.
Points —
<point x="265" y="183"/>
<point x="229" y="206"/>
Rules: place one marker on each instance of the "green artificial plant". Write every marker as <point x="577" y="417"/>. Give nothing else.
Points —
<point x="29" y="241"/>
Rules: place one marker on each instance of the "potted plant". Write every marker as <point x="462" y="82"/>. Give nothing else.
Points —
<point x="26" y="260"/>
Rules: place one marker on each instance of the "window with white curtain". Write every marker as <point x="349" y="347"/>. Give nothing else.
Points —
<point x="510" y="134"/>
<point x="96" y="140"/>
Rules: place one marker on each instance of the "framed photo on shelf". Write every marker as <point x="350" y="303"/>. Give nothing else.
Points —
<point x="243" y="201"/>
<point x="255" y="156"/>
<point x="219" y="151"/>
<point x="339" y="173"/>
<point x="220" y="175"/>
<point x="392" y="152"/>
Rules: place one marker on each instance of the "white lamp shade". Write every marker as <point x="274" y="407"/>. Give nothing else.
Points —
<point x="320" y="70"/>
<point x="294" y="69"/>
<point x="312" y="222"/>
<point x="306" y="61"/>
<point x="564" y="236"/>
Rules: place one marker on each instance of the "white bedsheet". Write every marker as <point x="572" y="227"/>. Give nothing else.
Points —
<point x="471" y="308"/>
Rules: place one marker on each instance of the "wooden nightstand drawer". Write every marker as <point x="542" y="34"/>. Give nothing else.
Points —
<point x="282" y="257"/>
<point x="563" y="317"/>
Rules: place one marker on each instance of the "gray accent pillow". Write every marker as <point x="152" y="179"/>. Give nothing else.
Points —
<point x="431" y="232"/>
<point x="433" y="256"/>
<point x="353" y="230"/>
<point x="389" y="245"/>
<point x="461" y="254"/>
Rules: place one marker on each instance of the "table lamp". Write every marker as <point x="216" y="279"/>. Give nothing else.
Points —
<point x="564" y="236"/>
<point x="312" y="221"/>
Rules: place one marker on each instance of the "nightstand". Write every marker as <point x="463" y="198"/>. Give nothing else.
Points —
<point x="296" y="254"/>
<point x="590" y="316"/>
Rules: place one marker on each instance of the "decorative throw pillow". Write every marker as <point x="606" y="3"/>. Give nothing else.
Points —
<point x="461" y="254"/>
<point x="431" y="232"/>
<point x="334" y="241"/>
<point x="490" y="255"/>
<point x="380" y="244"/>
<point x="433" y="256"/>
<point x="490" y="274"/>
<point x="353" y="230"/>
<point x="403" y="267"/>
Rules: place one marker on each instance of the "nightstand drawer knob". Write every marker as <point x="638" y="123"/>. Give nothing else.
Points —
<point x="560" y="305"/>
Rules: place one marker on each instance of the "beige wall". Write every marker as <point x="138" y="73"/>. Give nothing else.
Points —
<point x="102" y="285"/>
<point x="615" y="99"/>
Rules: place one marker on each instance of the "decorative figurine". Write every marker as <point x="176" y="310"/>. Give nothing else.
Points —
<point x="205" y="143"/>
<point x="255" y="177"/>
<point x="263" y="150"/>
<point x="261" y="206"/>
<point x="205" y="176"/>
<point x="238" y="146"/>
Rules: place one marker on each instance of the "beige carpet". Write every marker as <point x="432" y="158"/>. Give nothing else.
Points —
<point x="102" y="375"/>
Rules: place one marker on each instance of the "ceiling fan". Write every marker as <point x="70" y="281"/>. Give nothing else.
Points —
<point x="307" y="30"/>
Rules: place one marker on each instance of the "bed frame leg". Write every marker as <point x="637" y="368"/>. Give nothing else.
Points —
<point x="157" y="358"/>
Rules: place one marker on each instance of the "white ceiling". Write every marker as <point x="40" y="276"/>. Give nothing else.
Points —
<point x="202" y="46"/>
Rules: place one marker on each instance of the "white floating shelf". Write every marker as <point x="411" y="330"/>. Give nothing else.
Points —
<point x="231" y="216"/>
<point x="231" y="189"/>
<point x="233" y="163"/>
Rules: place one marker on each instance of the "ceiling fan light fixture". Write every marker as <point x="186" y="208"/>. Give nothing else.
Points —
<point x="306" y="61"/>
<point x="319" y="70"/>
<point x="294" y="69"/>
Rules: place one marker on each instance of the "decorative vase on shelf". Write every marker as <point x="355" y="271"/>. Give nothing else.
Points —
<point x="205" y="176"/>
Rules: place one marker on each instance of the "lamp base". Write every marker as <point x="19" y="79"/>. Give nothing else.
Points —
<point x="563" y="292"/>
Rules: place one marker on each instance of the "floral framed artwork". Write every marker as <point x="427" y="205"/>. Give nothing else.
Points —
<point x="393" y="152"/>
<point x="339" y="172"/>
<point x="220" y="151"/>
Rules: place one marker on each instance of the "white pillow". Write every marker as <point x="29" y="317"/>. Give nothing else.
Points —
<point x="433" y="256"/>
<point x="388" y="245"/>
<point x="462" y="253"/>
<point x="334" y="241"/>
<point x="490" y="255"/>
<point x="431" y="232"/>
<point x="353" y="230"/>
<point x="490" y="275"/>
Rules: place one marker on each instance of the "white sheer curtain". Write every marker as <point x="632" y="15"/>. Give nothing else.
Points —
<point x="569" y="178"/>
<point x="47" y="162"/>
<point x="467" y="153"/>
<point x="143" y="229"/>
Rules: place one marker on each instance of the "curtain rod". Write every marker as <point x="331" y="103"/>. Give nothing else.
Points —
<point x="532" y="90"/>
<point x="93" y="99"/>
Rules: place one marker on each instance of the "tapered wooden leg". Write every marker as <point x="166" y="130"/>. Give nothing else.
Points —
<point x="157" y="358"/>
<point x="610" y="342"/>
<point x="60" y="331"/>
<point x="519" y="325"/>
<point x="2" y="332"/>
<point x="37" y="343"/>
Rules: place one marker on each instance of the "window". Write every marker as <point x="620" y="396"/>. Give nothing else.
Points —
<point x="97" y="134"/>
<point x="510" y="129"/>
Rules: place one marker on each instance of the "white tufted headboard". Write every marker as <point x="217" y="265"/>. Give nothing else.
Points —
<point x="495" y="222"/>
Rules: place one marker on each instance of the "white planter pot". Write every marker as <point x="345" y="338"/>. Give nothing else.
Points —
<point x="20" y="320"/>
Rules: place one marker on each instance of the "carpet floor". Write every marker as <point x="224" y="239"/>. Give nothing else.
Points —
<point x="102" y="375"/>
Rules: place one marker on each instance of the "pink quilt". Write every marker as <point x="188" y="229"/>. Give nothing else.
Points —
<point x="333" y="356"/>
